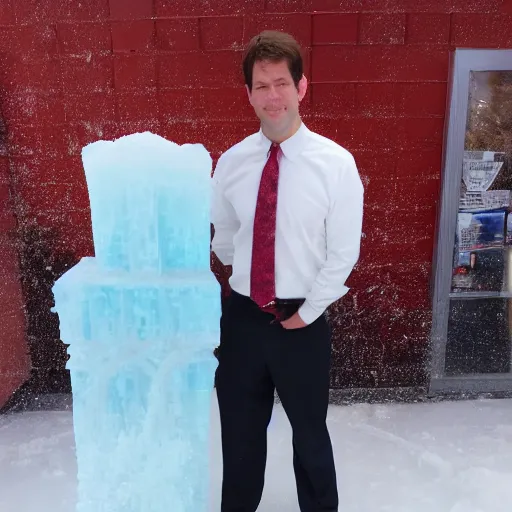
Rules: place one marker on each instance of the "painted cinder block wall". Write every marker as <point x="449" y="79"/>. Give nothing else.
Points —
<point x="75" y="72"/>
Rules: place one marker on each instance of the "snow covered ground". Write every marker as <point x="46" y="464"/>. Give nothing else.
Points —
<point x="436" y="457"/>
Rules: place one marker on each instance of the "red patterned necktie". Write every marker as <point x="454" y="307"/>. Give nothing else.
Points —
<point x="263" y="288"/>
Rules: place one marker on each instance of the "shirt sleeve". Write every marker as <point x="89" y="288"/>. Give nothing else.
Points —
<point x="223" y="217"/>
<point x="343" y="226"/>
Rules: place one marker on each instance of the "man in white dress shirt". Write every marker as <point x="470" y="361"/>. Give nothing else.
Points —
<point x="287" y="209"/>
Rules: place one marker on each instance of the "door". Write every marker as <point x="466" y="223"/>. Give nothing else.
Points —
<point x="472" y="308"/>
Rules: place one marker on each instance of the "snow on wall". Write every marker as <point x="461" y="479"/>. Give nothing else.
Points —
<point x="75" y="72"/>
<point x="14" y="359"/>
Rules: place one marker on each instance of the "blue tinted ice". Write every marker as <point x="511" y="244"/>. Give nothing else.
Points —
<point x="142" y="319"/>
<point x="149" y="203"/>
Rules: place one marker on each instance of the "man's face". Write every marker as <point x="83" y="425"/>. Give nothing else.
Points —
<point x="274" y="97"/>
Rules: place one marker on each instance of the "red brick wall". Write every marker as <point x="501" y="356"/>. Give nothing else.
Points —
<point x="75" y="72"/>
<point x="14" y="357"/>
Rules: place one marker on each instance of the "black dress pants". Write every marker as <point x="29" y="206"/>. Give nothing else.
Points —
<point x="255" y="358"/>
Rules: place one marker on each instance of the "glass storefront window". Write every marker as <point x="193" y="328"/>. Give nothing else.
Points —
<point x="484" y="227"/>
<point x="479" y="328"/>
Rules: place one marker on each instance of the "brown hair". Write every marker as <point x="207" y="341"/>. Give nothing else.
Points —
<point x="273" y="46"/>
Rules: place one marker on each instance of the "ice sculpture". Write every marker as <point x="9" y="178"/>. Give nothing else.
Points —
<point x="142" y="320"/>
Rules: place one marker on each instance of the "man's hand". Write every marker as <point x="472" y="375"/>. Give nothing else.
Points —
<point x="294" y="322"/>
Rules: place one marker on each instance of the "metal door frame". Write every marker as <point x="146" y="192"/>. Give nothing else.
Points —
<point x="463" y="61"/>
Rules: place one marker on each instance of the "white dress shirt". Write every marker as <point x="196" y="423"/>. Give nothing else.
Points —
<point x="319" y="216"/>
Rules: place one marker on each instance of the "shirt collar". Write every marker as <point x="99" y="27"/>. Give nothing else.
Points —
<point x="292" y="146"/>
